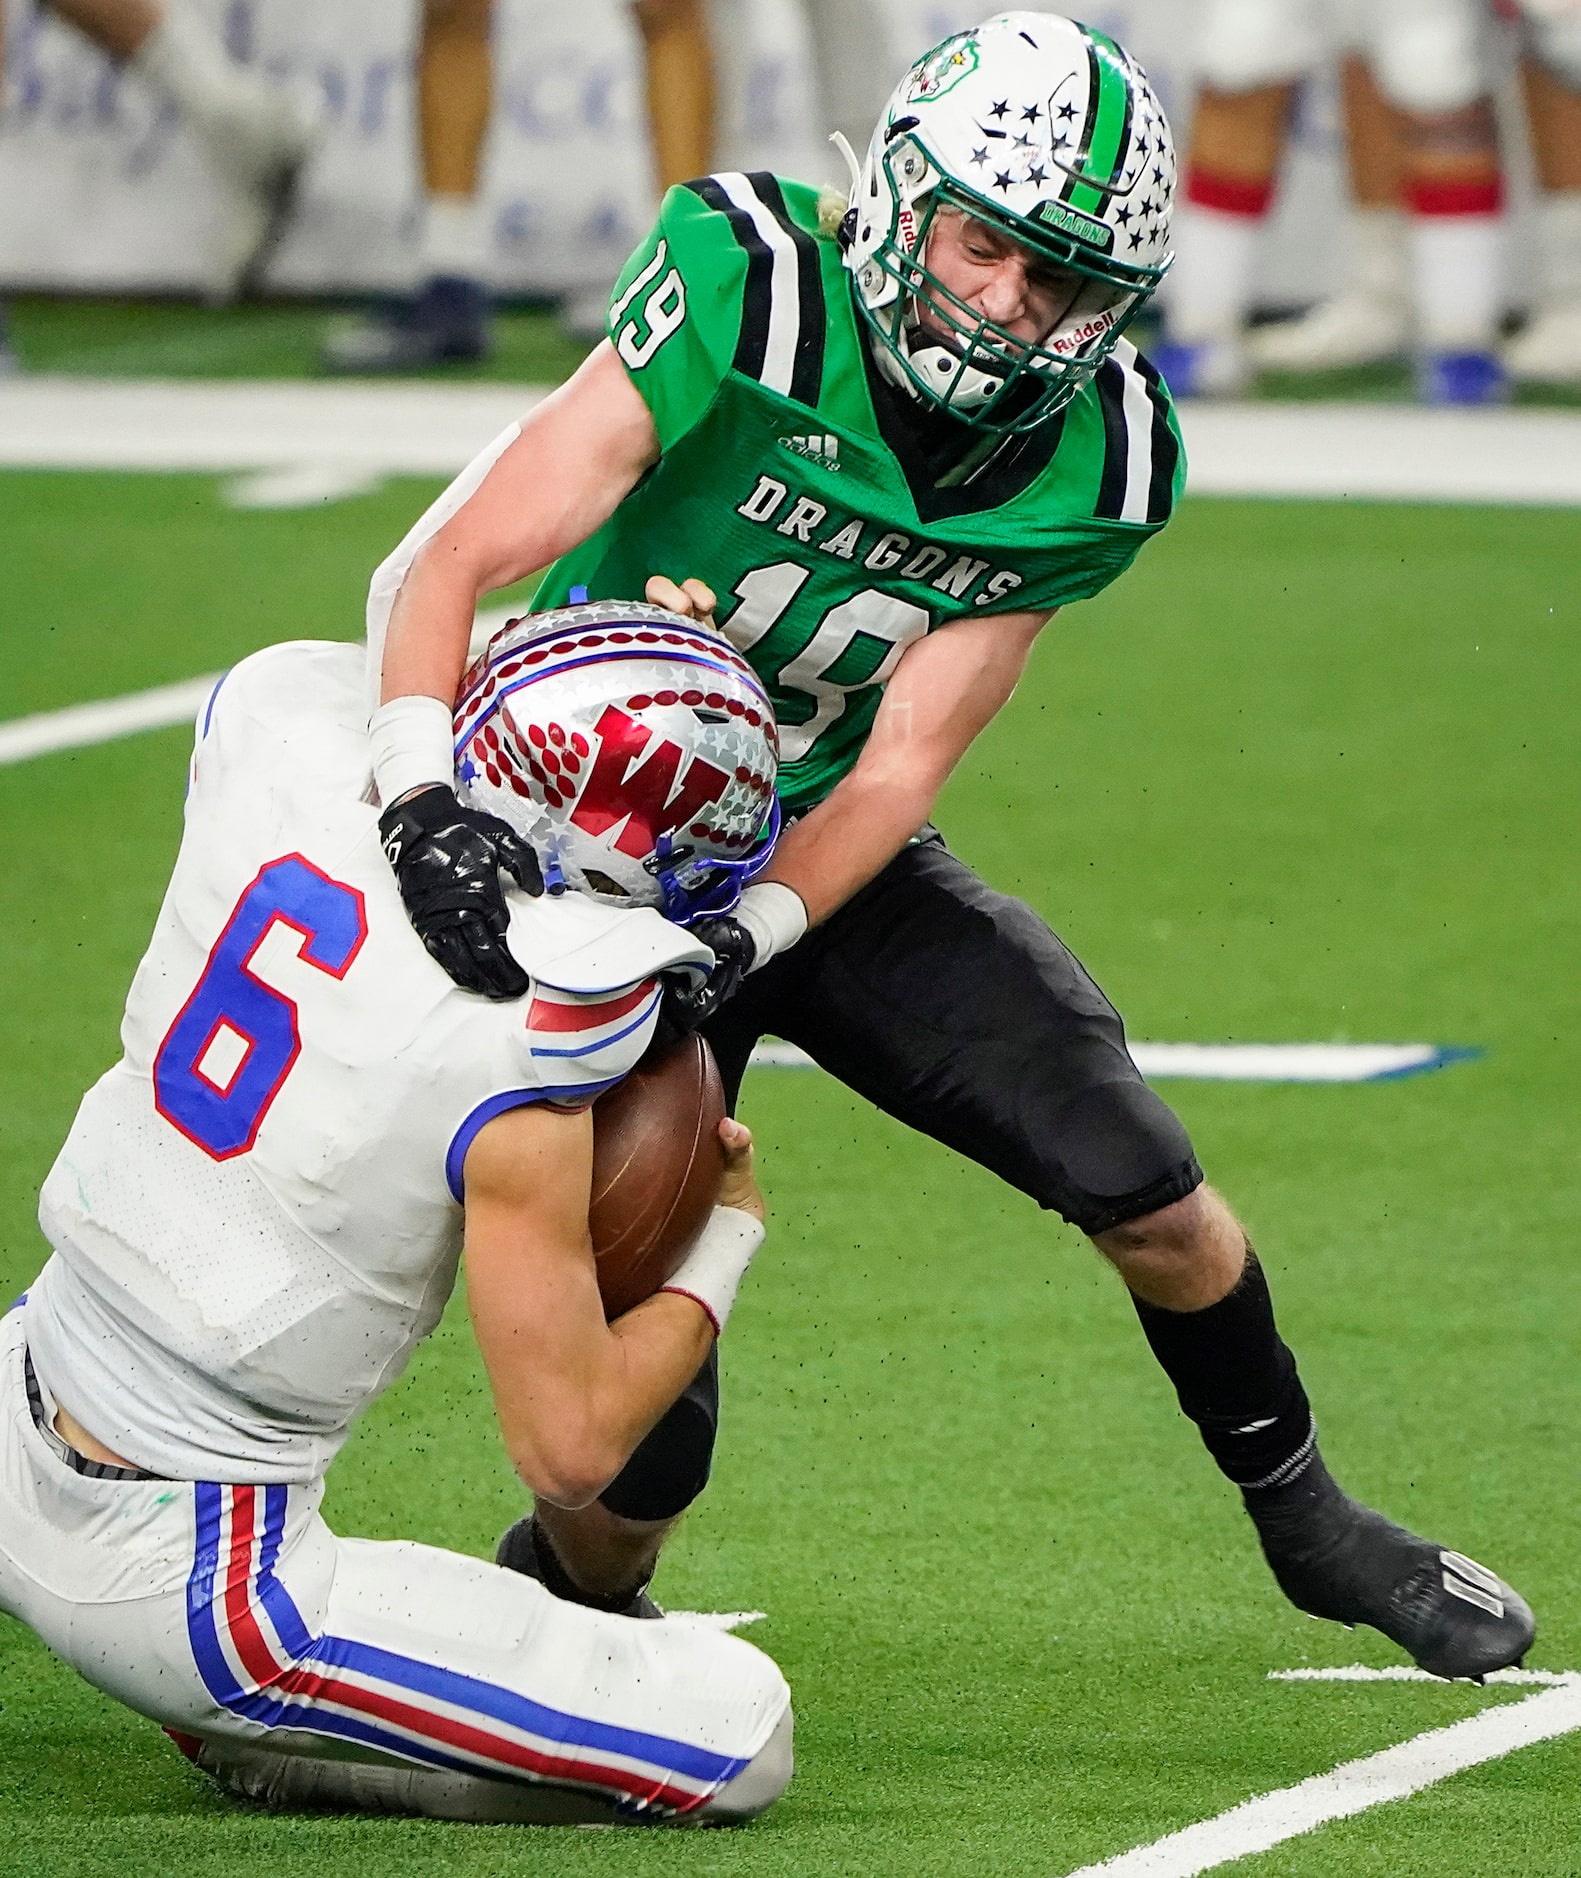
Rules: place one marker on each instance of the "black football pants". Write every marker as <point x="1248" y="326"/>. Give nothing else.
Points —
<point x="956" y="1010"/>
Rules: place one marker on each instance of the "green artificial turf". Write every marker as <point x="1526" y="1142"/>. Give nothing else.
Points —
<point x="1308" y="772"/>
<point x="117" y="338"/>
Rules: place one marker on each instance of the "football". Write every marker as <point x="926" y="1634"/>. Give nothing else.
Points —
<point x="657" y="1161"/>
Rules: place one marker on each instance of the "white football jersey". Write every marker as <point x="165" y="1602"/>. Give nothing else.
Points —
<point x="257" y="1213"/>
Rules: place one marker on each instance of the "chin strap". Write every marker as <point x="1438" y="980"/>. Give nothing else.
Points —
<point x="842" y="143"/>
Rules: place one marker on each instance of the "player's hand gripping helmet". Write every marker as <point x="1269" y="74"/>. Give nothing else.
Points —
<point x="633" y="748"/>
<point x="1050" y="133"/>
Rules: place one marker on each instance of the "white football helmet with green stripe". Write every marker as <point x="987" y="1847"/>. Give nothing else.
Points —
<point x="1049" y="132"/>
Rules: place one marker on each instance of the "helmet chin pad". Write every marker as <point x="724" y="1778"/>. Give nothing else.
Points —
<point x="953" y="379"/>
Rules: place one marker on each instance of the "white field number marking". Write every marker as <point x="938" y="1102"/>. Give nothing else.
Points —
<point x="1354" y="1786"/>
<point x="1235" y="1062"/>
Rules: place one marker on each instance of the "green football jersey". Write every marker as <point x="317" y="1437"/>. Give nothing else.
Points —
<point x="737" y="324"/>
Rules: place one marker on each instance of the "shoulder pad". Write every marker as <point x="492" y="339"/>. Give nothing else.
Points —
<point x="783" y="319"/>
<point x="295" y="711"/>
<point x="574" y="943"/>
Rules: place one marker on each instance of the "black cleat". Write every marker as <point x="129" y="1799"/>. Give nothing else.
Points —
<point x="521" y="1549"/>
<point x="445" y="323"/>
<point x="1335" y="1558"/>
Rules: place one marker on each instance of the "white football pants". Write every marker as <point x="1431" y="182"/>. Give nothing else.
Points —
<point x="232" y="1614"/>
<point x="1429" y="56"/>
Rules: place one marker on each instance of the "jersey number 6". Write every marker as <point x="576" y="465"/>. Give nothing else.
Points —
<point x="232" y="1045"/>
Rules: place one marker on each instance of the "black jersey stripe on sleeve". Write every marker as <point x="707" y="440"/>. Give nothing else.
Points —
<point x="1140" y="451"/>
<point x="753" y="341"/>
<point x="1110" y="384"/>
<point x="1165" y="447"/>
<point x="807" y="370"/>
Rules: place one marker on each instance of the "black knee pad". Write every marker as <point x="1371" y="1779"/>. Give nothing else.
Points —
<point x="1124" y="1155"/>
<point x="670" y="1467"/>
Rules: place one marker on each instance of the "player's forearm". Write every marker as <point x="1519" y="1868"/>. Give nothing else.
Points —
<point x="425" y="652"/>
<point x="852" y="836"/>
<point x="537" y="492"/>
<point x="585" y="1419"/>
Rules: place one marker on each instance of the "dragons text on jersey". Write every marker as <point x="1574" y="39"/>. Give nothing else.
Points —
<point x="777" y="487"/>
<point x="801" y="517"/>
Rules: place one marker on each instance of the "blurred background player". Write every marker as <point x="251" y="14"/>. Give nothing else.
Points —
<point x="1369" y="318"/>
<point x="852" y="69"/>
<point x="699" y="64"/>
<point x="680" y="82"/>
<point x="1429" y="59"/>
<point x="445" y="319"/>
<point x="1548" y="351"/>
<point x="256" y="136"/>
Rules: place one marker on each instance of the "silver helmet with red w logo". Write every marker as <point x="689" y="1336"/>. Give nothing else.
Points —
<point x="635" y="749"/>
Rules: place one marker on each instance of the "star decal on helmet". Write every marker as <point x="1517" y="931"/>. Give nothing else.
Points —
<point x="1001" y="108"/>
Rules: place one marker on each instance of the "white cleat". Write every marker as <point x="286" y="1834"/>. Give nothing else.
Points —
<point x="1351" y="329"/>
<point x="1548" y="352"/>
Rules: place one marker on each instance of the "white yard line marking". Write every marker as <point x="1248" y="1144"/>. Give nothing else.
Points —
<point x="1324" y="451"/>
<point x="1293" y="1062"/>
<point x="230" y="427"/>
<point x="300" y="485"/>
<point x="1390" y="453"/>
<point x="108" y="718"/>
<point x="1400" y="1672"/>
<point x="1236" y="1062"/>
<point x="81" y="724"/>
<point x="1351" y="1788"/>
<point x="720" y="1620"/>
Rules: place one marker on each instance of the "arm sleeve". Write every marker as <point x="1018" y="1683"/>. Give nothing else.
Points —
<point x="675" y="315"/>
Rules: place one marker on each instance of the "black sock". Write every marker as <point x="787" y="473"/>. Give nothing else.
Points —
<point x="1237" y="1381"/>
<point x="554" y="1577"/>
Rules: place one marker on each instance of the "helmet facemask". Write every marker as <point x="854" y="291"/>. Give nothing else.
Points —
<point x="956" y="359"/>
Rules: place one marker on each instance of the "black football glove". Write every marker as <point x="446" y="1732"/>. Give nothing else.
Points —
<point x="447" y="860"/>
<point x="687" y="1005"/>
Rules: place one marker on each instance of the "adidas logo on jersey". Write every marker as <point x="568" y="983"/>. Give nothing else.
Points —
<point x="823" y="450"/>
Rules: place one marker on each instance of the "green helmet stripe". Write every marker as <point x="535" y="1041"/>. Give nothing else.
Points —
<point x="1106" y="135"/>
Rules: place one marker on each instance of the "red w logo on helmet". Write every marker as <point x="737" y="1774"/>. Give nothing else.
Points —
<point x="615" y="789"/>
